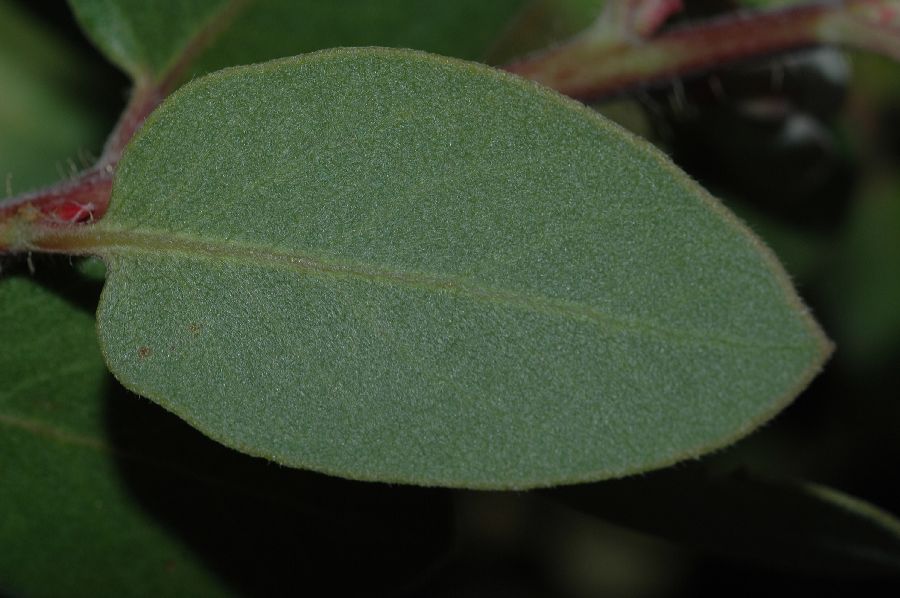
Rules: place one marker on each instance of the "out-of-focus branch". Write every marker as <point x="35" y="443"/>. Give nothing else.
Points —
<point x="607" y="59"/>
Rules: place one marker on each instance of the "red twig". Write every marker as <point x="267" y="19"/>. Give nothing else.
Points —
<point x="82" y="199"/>
<point x="596" y="64"/>
<point x="85" y="198"/>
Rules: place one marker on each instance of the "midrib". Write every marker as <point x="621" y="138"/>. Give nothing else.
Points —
<point x="108" y="243"/>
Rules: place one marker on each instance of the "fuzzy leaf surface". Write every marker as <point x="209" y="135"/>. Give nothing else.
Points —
<point x="388" y="265"/>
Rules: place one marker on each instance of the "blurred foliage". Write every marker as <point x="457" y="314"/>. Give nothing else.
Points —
<point x="804" y="147"/>
<point x="58" y="102"/>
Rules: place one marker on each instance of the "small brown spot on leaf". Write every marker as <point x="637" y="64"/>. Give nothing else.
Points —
<point x="194" y="328"/>
<point x="143" y="352"/>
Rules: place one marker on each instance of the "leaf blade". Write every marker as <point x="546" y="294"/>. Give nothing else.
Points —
<point x="278" y="28"/>
<point x="147" y="39"/>
<point x="407" y="268"/>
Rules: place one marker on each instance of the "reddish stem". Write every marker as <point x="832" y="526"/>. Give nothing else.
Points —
<point x="82" y="199"/>
<point x="647" y="16"/>
<point x="85" y="197"/>
<point x="144" y="101"/>
<point x="589" y="67"/>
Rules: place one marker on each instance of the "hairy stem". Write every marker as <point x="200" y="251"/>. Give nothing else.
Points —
<point x="85" y="198"/>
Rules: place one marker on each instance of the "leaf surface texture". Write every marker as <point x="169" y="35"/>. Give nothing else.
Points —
<point x="389" y="265"/>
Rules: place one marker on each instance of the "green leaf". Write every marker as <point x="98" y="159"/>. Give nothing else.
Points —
<point x="388" y="265"/>
<point x="268" y="29"/>
<point x="105" y="494"/>
<point x="147" y="39"/>
<point x="62" y="505"/>
<point x="143" y="38"/>
<point x="782" y="523"/>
